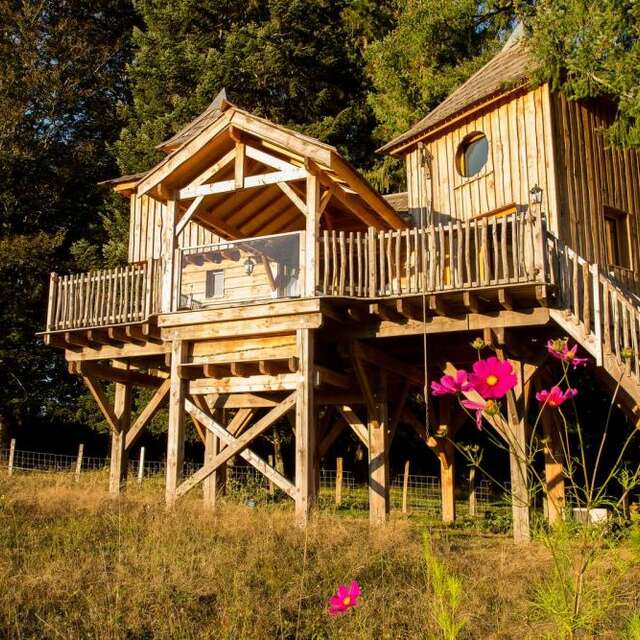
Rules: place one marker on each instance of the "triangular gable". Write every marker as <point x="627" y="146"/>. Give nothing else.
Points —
<point x="202" y="174"/>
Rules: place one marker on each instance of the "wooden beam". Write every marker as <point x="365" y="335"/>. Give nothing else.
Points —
<point x="188" y="214"/>
<point x="305" y="427"/>
<point x="239" y="444"/>
<point x="115" y="374"/>
<point x="378" y="427"/>
<point x="175" y="434"/>
<point x="207" y="174"/>
<point x="293" y="196"/>
<point x="355" y="423"/>
<point x="118" y="462"/>
<point x="225" y="186"/>
<point x="268" y="159"/>
<point x="103" y="403"/>
<point x="382" y="359"/>
<point x="249" y="384"/>
<point x="399" y="408"/>
<point x="332" y="378"/>
<point x="147" y="414"/>
<point x="240" y="166"/>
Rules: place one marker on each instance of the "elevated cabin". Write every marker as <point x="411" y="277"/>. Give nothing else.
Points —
<point x="267" y="278"/>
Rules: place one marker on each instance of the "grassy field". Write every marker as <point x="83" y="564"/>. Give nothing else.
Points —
<point x="75" y="564"/>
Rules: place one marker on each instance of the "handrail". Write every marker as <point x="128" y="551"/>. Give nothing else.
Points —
<point x="104" y="297"/>
<point x="453" y="256"/>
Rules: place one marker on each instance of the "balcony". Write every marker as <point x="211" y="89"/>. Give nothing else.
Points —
<point x="454" y="258"/>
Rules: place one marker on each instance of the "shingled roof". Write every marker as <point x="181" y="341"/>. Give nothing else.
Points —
<point x="193" y="128"/>
<point x="508" y="69"/>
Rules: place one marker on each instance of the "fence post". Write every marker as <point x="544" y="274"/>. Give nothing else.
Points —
<point x="339" y="475"/>
<point x="271" y="487"/>
<point x="141" y="466"/>
<point x="79" y="462"/>
<point x="405" y="487"/>
<point x="472" y="492"/>
<point x="12" y="452"/>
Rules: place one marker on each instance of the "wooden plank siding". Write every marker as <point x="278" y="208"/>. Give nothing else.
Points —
<point x="592" y="175"/>
<point x="145" y="230"/>
<point x="521" y="155"/>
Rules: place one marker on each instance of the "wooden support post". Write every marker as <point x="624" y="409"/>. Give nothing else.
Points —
<point x="12" y="454"/>
<point x="446" y="455"/>
<point x="175" y="434"/>
<point x="339" y="473"/>
<point x="518" y="453"/>
<point x="122" y="413"/>
<point x="473" y="501"/>
<point x="141" y="466"/>
<point x="553" y="466"/>
<point x="79" y="462"/>
<point x="210" y="484"/>
<point x="169" y="243"/>
<point x="405" y="487"/>
<point x="378" y="424"/>
<point x="312" y="230"/>
<point x="305" y="428"/>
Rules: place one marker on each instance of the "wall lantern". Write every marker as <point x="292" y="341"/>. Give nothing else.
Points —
<point x="249" y="266"/>
<point x="536" y="194"/>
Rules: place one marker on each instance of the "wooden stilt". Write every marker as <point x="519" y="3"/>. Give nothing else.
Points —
<point x="119" y="458"/>
<point x="446" y="455"/>
<point x="212" y="485"/>
<point x="518" y="451"/>
<point x="378" y="424"/>
<point x="445" y="452"/>
<point x="553" y="467"/>
<point x="305" y="429"/>
<point x="175" y="435"/>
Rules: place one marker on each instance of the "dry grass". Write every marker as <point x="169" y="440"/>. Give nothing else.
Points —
<point x="74" y="564"/>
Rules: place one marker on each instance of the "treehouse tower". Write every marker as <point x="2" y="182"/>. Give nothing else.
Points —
<point x="268" y="280"/>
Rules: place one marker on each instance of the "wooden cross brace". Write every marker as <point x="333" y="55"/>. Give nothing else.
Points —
<point x="239" y="446"/>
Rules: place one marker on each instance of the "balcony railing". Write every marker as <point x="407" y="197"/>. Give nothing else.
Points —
<point x="106" y="297"/>
<point x="458" y="255"/>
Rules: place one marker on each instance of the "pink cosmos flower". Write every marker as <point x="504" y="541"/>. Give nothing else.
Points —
<point x="344" y="599"/>
<point x="559" y="349"/>
<point x="451" y="384"/>
<point x="478" y="407"/>
<point x="554" y="397"/>
<point x="492" y="378"/>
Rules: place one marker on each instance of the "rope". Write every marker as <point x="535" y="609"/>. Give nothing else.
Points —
<point x="425" y="357"/>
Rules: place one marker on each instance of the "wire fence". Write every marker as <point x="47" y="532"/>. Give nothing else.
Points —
<point x="408" y="492"/>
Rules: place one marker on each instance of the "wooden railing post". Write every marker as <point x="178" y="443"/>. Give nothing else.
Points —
<point x="597" y="312"/>
<point x="53" y="295"/>
<point x="371" y="252"/>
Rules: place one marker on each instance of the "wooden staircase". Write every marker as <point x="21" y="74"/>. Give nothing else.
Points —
<point x="602" y="315"/>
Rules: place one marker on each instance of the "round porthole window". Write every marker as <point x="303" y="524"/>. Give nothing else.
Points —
<point x="472" y="154"/>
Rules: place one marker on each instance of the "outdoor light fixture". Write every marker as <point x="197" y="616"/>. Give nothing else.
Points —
<point x="249" y="266"/>
<point x="536" y="194"/>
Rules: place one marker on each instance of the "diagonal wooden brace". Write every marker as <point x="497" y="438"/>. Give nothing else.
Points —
<point x="147" y="413"/>
<point x="235" y="446"/>
<point x="103" y="403"/>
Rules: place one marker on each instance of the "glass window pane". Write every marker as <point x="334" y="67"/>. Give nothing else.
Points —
<point x="475" y="156"/>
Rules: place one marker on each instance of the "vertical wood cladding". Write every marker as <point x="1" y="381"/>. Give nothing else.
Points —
<point x="592" y="176"/>
<point x="520" y="156"/>
<point x="145" y="228"/>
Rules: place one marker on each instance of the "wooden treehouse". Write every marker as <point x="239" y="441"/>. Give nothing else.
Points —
<point x="267" y="278"/>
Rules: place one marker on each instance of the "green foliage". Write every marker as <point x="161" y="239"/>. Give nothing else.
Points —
<point x="591" y="48"/>
<point x="298" y="63"/>
<point x="61" y="77"/>
<point x="434" y="47"/>
<point x="447" y="594"/>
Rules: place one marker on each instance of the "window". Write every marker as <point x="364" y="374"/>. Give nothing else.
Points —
<point x="215" y="284"/>
<point x="616" y="237"/>
<point x="472" y="154"/>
